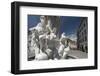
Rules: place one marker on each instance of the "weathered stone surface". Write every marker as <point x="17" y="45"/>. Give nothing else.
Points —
<point x="44" y="42"/>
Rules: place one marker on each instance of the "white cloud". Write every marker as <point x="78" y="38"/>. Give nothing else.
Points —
<point x="72" y="37"/>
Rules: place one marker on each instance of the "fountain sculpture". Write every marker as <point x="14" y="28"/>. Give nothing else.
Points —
<point x="44" y="41"/>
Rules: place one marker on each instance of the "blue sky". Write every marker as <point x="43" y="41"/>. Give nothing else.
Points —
<point x="69" y="24"/>
<point x="33" y="20"/>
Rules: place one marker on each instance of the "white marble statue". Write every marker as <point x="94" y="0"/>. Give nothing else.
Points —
<point x="64" y="47"/>
<point x="65" y="53"/>
<point x="41" y="56"/>
<point x="43" y="42"/>
<point x="61" y="49"/>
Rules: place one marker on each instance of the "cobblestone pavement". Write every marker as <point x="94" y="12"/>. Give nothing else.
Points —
<point x="78" y="54"/>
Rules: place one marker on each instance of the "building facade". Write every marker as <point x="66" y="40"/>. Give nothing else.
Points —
<point x="82" y="36"/>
